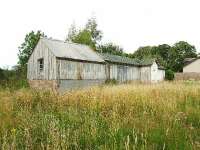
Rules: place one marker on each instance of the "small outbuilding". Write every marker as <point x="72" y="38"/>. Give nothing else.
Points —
<point x="191" y="70"/>
<point x="62" y="65"/>
<point x="192" y="65"/>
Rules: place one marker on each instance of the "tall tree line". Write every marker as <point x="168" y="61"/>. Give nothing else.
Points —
<point x="171" y="57"/>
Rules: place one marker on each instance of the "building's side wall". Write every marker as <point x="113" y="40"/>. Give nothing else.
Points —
<point x="44" y="84"/>
<point x="145" y="74"/>
<point x="124" y="73"/>
<point x="161" y="75"/>
<point x="49" y="72"/>
<point x="133" y="73"/>
<point x="156" y="73"/>
<point x="78" y="84"/>
<point x="113" y="71"/>
<point x="73" y="74"/>
<point x="42" y="79"/>
<point x="72" y="70"/>
<point x="193" y="67"/>
<point x="187" y="76"/>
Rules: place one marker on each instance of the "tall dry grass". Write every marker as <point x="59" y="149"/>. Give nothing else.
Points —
<point x="132" y="116"/>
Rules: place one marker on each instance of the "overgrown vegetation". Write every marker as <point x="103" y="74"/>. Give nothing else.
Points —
<point x="160" y="116"/>
<point x="14" y="78"/>
<point x="169" y="74"/>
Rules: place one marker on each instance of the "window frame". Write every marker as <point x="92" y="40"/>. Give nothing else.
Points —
<point x="41" y="64"/>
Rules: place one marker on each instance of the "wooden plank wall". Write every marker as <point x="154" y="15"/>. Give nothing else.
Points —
<point x="80" y="70"/>
<point x="49" y="72"/>
<point x="133" y="73"/>
<point x="145" y="74"/>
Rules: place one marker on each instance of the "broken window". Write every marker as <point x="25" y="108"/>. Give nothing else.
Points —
<point x="41" y="64"/>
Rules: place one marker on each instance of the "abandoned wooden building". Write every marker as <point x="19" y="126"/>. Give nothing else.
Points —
<point x="62" y="65"/>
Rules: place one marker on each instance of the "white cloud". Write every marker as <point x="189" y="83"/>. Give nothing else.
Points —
<point x="130" y="23"/>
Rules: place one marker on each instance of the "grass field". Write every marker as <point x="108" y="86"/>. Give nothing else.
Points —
<point x="133" y="116"/>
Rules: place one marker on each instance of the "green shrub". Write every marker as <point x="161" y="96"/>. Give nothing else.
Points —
<point x="111" y="81"/>
<point x="169" y="74"/>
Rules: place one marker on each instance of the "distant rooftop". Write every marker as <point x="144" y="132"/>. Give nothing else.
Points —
<point x="188" y="61"/>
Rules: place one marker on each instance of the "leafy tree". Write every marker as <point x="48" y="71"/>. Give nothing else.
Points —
<point x="185" y="49"/>
<point x="26" y="48"/>
<point x="91" y="26"/>
<point x="178" y="52"/>
<point x="83" y="37"/>
<point x="143" y="52"/>
<point x="89" y="35"/>
<point x="111" y="49"/>
<point x="167" y="56"/>
<point x="163" y="50"/>
<point x="71" y="33"/>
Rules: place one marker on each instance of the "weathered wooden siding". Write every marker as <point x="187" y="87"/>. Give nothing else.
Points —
<point x="145" y="74"/>
<point x="49" y="72"/>
<point x="67" y="69"/>
<point x="124" y="73"/>
<point x="113" y="71"/>
<point x="133" y="73"/>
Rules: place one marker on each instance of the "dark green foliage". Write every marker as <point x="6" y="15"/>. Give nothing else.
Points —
<point x="13" y="79"/>
<point x="143" y="52"/>
<point x="111" y="81"/>
<point x="2" y="75"/>
<point x="83" y="37"/>
<point x="171" y="57"/>
<point x="169" y="74"/>
<point x="89" y="35"/>
<point x="111" y="49"/>
<point x="26" y="48"/>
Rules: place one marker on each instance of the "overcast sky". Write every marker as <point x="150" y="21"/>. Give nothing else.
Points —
<point x="128" y="23"/>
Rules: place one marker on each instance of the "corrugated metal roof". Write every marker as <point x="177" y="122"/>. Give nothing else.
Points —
<point x="71" y="50"/>
<point x="75" y="51"/>
<point x="126" y="60"/>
